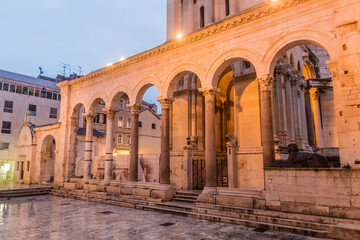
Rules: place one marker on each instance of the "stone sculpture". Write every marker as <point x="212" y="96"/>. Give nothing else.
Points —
<point x="302" y="159"/>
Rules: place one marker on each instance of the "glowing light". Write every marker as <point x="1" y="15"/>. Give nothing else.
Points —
<point x="109" y="64"/>
<point x="123" y="152"/>
<point x="179" y="36"/>
<point x="274" y="0"/>
<point x="115" y="154"/>
<point x="122" y="58"/>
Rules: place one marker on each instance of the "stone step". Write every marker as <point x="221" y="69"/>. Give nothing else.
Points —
<point x="25" y="190"/>
<point x="187" y="193"/>
<point x="186" y="196"/>
<point x="244" y="222"/>
<point x="278" y="214"/>
<point x="16" y="193"/>
<point x="184" y="199"/>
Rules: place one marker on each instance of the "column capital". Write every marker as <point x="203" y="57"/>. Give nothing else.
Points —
<point x="165" y="102"/>
<point x="135" y="109"/>
<point x="333" y="66"/>
<point x="315" y="93"/>
<point x="209" y="93"/>
<point x="110" y="113"/>
<point x="89" y="116"/>
<point x="265" y="82"/>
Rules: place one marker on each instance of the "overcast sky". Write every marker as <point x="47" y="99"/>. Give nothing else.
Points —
<point x="86" y="33"/>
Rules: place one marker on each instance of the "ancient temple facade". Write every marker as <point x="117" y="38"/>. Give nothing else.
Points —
<point x="238" y="82"/>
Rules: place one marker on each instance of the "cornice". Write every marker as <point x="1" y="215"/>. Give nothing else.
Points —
<point x="217" y="28"/>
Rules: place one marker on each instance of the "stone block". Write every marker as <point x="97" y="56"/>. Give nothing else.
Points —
<point x="259" y="203"/>
<point x="340" y="212"/>
<point x="235" y="201"/>
<point x="206" y="199"/>
<point x="345" y="231"/>
<point x="113" y="189"/>
<point x="333" y="202"/>
<point x="126" y="191"/>
<point x="141" y="192"/>
<point x="71" y="185"/>
<point x="355" y="201"/>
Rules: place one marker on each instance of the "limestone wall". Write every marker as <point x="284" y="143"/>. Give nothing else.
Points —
<point x="334" y="192"/>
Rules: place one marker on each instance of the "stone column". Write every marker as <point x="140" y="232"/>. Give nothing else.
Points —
<point x="109" y="148"/>
<point x="303" y="113"/>
<point x="309" y="119"/>
<point x="283" y="129"/>
<point x="296" y="110"/>
<point x="210" y="138"/>
<point x="315" y="103"/>
<point x="210" y="13"/>
<point x="289" y="110"/>
<point x="134" y="153"/>
<point x="88" y="146"/>
<point x="231" y="146"/>
<point x="165" y="140"/>
<point x="267" y="132"/>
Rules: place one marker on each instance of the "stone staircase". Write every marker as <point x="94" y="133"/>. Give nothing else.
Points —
<point x="183" y="205"/>
<point x="25" y="192"/>
<point x="186" y="196"/>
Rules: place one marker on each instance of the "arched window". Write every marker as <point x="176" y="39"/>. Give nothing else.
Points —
<point x="227" y="7"/>
<point x="292" y="62"/>
<point x="202" y="17"/>
<point x="299" y="67"/>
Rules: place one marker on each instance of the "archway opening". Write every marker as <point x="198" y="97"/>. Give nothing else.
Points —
<point x="47" y="160"/>
<point x="237" y="119"/>
<point x="303" y="101"/>
<point x="149" y="141"/>
<point x="78" y="125"/>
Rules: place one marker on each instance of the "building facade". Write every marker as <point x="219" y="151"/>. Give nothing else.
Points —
<point x="243" y="81"/>
<point x="23" y="99"/>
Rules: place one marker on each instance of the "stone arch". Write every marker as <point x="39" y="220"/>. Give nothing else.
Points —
<point x="94" y="102"/>
<point x="142" y="87"/>
<point x="76" y="105"/>
<point x="48" y="159"/>
<point x="179" y="72"/>
<point x="316" y="37"/>
<point x="116" y="94"/>
<point x="219" y="65"/>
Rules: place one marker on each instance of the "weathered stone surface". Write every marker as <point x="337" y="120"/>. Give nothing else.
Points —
<point x="235" y="201"/>
<point x="141" y="192"/>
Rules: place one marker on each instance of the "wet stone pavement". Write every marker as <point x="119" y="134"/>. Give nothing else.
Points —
<point x="48" y="217"/>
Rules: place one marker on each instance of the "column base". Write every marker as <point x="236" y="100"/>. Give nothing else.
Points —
<point x="208" y="195"/>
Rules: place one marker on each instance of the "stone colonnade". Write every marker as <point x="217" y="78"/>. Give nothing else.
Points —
<point x="265" y="83"/>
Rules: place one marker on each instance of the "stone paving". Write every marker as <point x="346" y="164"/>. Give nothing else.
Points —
<point x="48" y="217"/>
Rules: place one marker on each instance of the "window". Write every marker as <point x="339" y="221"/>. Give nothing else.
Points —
<point x="6" y="127"/>
<point x="1" y="85"/>
<point x="4" y="146"/>
<point x="202" y="17"/>
<point x="121" y="104"/>
<point x="32" y="110"/>
<point x="37" y="93"/>
<point x="25" y="90"/>
<point x="59" y="97"/>
<point x="227" y="7"/>
<point x="28" y="166"/>
<point x="18" y="89"/>
<point x="53" y="113"/>
<point x="8" y="106"/>
<point x="153" y="126"/>
<point x="12" y="88"/>
<point x="6" y="87"/>
<point x="119" y="139"/>
<point x="43" y="93"/>
<point x="128" y="139"/>
<point x="128" y="123"/>
<point x="31" y="92"/>
<point x="140" y="124"/>
<point x="246" y="64"/>
<point x="54" y="96"/>
<point x="120" y="122"/>
<point x="49" y="95"/>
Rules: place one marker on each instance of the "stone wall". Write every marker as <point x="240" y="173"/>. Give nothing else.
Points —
<point x="331" y="192"/>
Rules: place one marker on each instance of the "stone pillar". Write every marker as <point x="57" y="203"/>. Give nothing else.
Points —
<point x="267" y="132"/>
<point x="210" y="13"/>
<point x="309" y="118"/>
<point x="231" y="146"/>
<point x="210" y="138"/>
<point x="304" y="125"/>
<point x="188" y="16"/>
<point x="296" y="110"/>
<point x="165" y="140"/>
<point x="109" y="148"/>
<point x="88" y="146"/>
<point x="134" y="153"/>
<point x="282" y="120"/>
<point x="289" y="110"/>
<point x="315" y="103"/>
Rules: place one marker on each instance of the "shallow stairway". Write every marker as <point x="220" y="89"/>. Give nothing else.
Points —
<point x="186" y="196"/>
<point x="310" y="225"/>
<point x="25" y="192"/>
